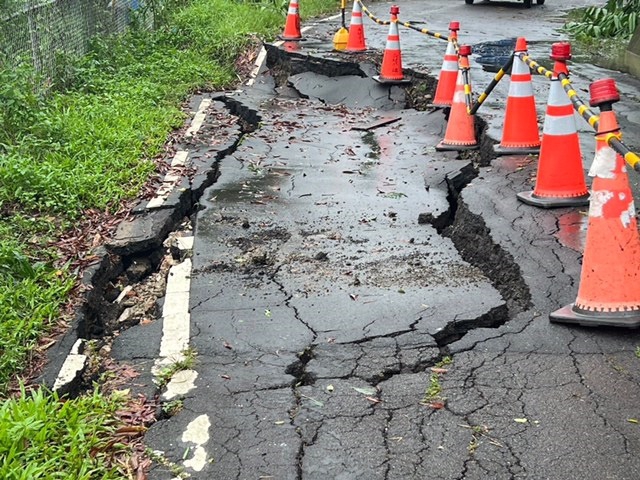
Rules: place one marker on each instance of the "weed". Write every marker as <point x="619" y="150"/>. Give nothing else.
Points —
<point x="444" y="362"/>
<point x="31" y="293"/>
<point x="637" y="352"/>
<point x="173" y="407"/>
<point x="477" y="433"/>
<point x="160" y="458"/>
<point x="186" y="362"/>
<point x="474" y="443"/>
<point x="433" y="391"/>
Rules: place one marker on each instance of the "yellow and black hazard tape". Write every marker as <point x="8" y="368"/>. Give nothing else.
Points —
<point x="425" y="31"/>
<point x="613" y="139"/>
<point x="494" y="81"/>
<point x="580" y="107"/>
<point x="371" y="15"/>
<point x="468" y="94"/>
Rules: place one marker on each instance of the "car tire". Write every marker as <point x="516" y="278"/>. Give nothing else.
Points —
<point x="468" y="2"/>
<point x="527" y="3"/>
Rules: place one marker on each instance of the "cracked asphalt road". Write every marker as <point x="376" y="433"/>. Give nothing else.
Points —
<point x="340" y="337"/>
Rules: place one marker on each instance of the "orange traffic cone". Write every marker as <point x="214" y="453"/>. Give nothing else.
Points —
<point x="292" y="27"/>
<point x="460" y="133"/>
<point x="560" y="180"/>
<point x="449" y="71"/>
<point x="391" y="70"/>
<point x="611" y="263"/>
<point x="520" y="133"/>
<point x="355" y="42"/>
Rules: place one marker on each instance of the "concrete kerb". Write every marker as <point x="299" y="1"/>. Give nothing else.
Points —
<point x="142" y="233"/>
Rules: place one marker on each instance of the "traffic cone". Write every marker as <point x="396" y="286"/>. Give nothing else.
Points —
<point x="611" y="263"/>
<point x="460" y="133"/>
<point x="520" y="132"/>
<point x="355" y="42"/>
<point x="560" y="179"/>
<point x="391" y="70"/>
<point x="292" y="26"/>
<point x="449" y="71"/>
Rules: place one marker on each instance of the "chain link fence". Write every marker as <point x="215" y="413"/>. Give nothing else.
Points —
<point x="45" y="32"/>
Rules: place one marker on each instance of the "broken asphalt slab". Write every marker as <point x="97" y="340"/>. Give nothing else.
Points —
<point x="322" y="297"/>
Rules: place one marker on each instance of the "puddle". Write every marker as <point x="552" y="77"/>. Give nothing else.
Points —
<point x="264" y="186"/>
<point x="572" y="230"/>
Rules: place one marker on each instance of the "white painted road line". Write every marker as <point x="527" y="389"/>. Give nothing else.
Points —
<point x="170" y="180"/>
<point x="73" y="366"/>
<point x="198" y="118"/>
<point x="175" y="315"/>
<point x="197" y="432"/>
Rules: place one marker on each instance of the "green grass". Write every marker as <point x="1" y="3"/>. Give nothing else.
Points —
<point x="42" y="437"/>
<point x="30" y="292"/>
<point x="87" y="140"/>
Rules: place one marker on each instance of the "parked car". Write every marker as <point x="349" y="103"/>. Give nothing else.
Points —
<point x="527" y="3"/>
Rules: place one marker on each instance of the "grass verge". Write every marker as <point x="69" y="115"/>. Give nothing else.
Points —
<point x="42" y="437"/>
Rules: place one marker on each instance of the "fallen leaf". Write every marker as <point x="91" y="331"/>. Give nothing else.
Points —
<point x="366" y="390"/>
<point x="227" y="345"/>
<point x="439" y="370"/>
<point x="632" y="420"/>
<point x="279" y="422"/>
<point x="520" y="420"/>
<point x="373" y="400"/>
<point x="353" y="297"/>
<point x="226" y="377"/>
<point x="317" y="403"/>
<point x="436" y="404"/>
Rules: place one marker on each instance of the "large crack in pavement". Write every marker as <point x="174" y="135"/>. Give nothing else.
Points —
<point x="327" y="265"/>
<point x="347" y="279"/>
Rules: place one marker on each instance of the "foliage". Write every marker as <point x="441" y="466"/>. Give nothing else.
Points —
<point x="30" y="295"/>
<point x="617" y="18"/>
<point x="43" y="437"/>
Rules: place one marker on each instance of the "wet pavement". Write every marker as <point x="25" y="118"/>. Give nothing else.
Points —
<point x="363" y="306"/>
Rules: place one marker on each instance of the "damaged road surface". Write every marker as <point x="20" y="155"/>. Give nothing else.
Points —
<point x="365" y="307"/>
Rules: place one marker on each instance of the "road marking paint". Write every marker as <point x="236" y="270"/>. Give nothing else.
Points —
<point x="181" y="383"/>
<point x="198" y="118"/>
<point x="170" y="180"/>
<point x="73" y="366"/>
<point x="176" y="317"/>
<point x="197" y="432"/>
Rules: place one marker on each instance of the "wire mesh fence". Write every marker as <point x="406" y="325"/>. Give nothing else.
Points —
<point x="45" y="32"/>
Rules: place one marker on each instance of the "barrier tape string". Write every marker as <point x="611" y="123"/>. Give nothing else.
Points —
<point x="404" y="24"/>
<point x="612" y="139"/>
<point x="494" y="81"/>
<point x="425" y="31"/>
<point x="372" y="16"/>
